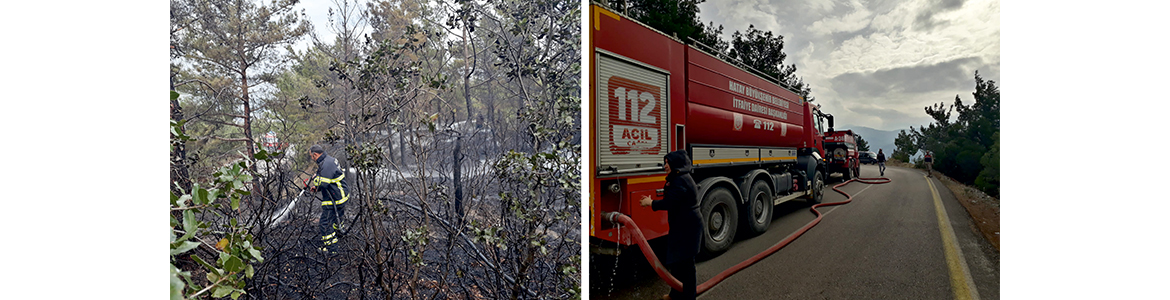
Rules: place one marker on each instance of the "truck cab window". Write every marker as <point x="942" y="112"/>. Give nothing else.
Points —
<point x="820" y="121"/>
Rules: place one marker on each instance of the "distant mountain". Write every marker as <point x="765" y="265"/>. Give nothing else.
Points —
<point x="877" y="139"/>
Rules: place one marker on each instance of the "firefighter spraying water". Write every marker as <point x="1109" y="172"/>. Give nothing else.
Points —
<point x="330" y="181"/>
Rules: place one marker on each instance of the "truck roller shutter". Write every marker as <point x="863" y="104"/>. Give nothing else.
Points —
<point x="633" y="131"/>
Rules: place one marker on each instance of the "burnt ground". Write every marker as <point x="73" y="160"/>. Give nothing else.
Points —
<point x="294" y="269"/>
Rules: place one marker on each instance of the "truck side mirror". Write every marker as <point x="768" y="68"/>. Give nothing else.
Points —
<point x="830" y="122"/>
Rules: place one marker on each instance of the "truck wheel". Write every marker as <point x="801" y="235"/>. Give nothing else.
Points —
<point x="757" y="212"/>
<point x="818" y="188"/>
<point x="719" y="220"/>
<point x="857" y="171"/>
<point x="847" y="174"/>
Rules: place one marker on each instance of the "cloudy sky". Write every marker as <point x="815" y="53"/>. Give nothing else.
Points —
<point x="317" y="12"/>
<point x="877" y="63"/>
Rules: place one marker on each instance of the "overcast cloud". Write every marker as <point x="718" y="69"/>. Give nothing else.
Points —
<point x="317" y="12"/>
<point x="877" y="63"/>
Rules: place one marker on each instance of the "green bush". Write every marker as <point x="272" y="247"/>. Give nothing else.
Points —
<point x="233" y="246"/>
<point x="988" y="179"/>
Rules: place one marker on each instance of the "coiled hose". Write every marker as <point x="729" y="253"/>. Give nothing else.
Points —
<point x="636" y="234"/>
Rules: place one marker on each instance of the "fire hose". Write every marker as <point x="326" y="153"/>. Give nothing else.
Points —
<point x="636" y="234"/>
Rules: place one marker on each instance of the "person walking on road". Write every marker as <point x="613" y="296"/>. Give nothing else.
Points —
<point x="330" y="180"/>
<point x="681" y="202"/>
<point x="881" y="158"/>
<point x="929" y="160"/>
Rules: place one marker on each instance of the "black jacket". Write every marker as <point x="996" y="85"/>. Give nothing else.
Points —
<point x="330" y="180"/>
<point x="881" y="157"/>
<point x="681" y="203"/>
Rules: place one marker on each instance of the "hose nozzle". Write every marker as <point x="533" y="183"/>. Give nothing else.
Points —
<point x="611" y="216"/>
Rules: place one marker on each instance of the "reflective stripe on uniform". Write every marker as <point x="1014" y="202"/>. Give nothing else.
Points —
<point x="342" y="201"/>
<point x="344" y="196"/>
<point x="334" y="180"/>
<point x="331" y="235"/>
<point x="331" y="242"/>
<point x="317" y="180"/>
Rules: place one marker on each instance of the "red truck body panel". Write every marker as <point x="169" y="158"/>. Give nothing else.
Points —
<point x="737" y="108"/>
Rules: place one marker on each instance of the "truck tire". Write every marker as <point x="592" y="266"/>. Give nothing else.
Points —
<point x="857" y="171"/>
<point x="818" y="188"/>
<point x="719" y="220"/>
<point x="757" y="212"/>
<point x="847" y="173"/>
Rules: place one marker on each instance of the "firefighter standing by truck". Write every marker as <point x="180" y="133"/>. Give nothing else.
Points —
<point x="330" y="180"/>
<point x="681" y="202"/>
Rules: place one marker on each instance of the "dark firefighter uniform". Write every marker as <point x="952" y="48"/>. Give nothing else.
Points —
<point x="681" y="203"/>
<point x="330" y="180"/>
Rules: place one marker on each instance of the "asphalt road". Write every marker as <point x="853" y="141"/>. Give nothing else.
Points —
<point x="886" y="244"/>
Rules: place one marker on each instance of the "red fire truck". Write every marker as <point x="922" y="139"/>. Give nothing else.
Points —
<point x="753" y="143"/>
<point x="841" y="154"/>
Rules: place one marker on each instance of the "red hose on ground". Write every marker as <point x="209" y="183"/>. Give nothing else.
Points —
<point x="636" y="233"/>
<point x="675" y="284"/>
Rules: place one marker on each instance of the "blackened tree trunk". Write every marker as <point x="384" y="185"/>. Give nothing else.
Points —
<point x="458" y="180"/>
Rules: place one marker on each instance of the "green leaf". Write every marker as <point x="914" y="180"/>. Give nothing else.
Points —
<point x="233" y="264"/>
<point x="249" y="271"/>
<point x="255" y="254"/>
<point x="184" y="247"/>
<point x="190" y="224"/>
<point x="236" y="294"/>
<point x="200" y="196"/>
<point x="235" y="204"/>
<point x="182" y="202"/>
<point x="177" y="284"/>
<point x="212" y="194"/>
<point x="201" y="262"/>
<point x="222" y="291"/>
<point x="174" y="95"/>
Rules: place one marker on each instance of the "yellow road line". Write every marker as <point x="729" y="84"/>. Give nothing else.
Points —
<point x="961" y="282"/>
